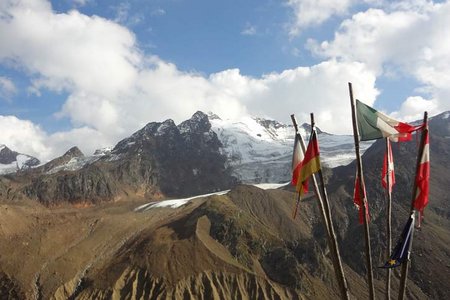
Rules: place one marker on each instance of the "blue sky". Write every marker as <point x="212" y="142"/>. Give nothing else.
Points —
<point x="91" y="72"/>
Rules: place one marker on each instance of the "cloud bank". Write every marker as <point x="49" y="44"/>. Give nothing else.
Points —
<point x="114" y="88"/>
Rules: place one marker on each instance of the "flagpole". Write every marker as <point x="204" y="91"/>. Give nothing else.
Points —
<point x="363" y="197"/>
<point x="405" y="265"/>
<point x="339" y="270"/>
<point x="388" y="219"/>
<point x="313" y="176"/>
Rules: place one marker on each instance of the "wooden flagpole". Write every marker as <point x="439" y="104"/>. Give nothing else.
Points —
<point x="339" y="270"/>
<point x="362" y="196"/>
<point x="405" y="265"/>
<point x="388" y="220"/>
<point x="313" y="176"/>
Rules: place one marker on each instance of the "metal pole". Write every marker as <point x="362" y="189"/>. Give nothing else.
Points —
<point x="363" y="197"/>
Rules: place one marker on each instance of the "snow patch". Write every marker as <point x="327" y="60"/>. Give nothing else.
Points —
<point x="9" y="168"/>
<point x="176" y="203"/>
<point x="75" y="163"/>
<point x="446" y="115"/>
<point x="21" y="159"/>
<point x="271" y="186"/>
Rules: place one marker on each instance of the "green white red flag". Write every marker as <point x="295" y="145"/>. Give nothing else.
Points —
<point x="373" y="125"/>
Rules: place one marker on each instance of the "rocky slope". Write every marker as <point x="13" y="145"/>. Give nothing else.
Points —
<point x="161" y="159"/>
<point x="242" y="245"/>
<point x="12" y="161"/>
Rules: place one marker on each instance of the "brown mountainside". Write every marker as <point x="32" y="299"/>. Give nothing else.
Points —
<point x="241" y="245"/>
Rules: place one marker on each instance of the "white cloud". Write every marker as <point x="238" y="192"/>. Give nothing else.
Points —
<point x="69" y="51"/>
<point x="114" y="89"/>
<point x="249" y="30"/>
<point x="158" y="12"/>
<point x="7" y="88"/>
<point x="321" y="89"/>
<point x="413" y="107"/>
<point x="408" y="38"/>
<point x="309" y="13"/>
<point x="24" y="136"/>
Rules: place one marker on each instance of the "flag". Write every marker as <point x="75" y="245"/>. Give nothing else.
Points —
<point x="309" y="165"/>
<point x="388" y="168"/>
<point x="374" y="125"/>
<point x="401" y="250"/>
<point x="297" y="157"/>
<point x="423" y="176"/>
<point x="358" y="201"/>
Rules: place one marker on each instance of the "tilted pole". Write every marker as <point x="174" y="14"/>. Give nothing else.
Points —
<point x="362" y="196"/>
<point x="339" y="270"/>
<point x="313" y="176"/>
<point x="388" y="220"/>
<point x="405" y="265"/>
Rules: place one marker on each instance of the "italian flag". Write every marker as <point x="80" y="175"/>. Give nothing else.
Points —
<point x="423" y="176"/>
<point x="374" y="125"/>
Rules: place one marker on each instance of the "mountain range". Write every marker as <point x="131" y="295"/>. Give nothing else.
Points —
<point x="90" y="241"/>
<point x="200" y="155"/>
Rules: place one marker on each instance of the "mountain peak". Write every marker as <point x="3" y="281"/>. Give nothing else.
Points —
<point x="307" y="127"/>
<point x="7" y="156"/>
<point x="73" y="152"/>
<point x="199" y="122"/>
<point x="213" y="116"/>
<point x="12" y="161"/>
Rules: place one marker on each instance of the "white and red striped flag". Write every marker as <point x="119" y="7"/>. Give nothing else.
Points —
<point x="388" y="168"/>
<point x="297" y="157"/>
<point x="423" y="176"/>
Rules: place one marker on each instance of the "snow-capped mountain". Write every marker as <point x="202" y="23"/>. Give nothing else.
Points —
<point x="12" y="161"/>
<point x="257" y="150"/>
<point x="260" y="150"/>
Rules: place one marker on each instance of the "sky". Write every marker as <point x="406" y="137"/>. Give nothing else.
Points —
<point x="91" y="72"/>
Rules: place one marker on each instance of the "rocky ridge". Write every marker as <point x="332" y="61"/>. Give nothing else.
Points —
<point x="12" y="161"/>
<point x="161" y="159"/>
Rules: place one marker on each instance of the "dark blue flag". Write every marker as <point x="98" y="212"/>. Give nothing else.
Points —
<point x="400" y="253"/>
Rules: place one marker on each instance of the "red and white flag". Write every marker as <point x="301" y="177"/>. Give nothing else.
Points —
<point x="423" y="176"/>
<point x="388" y="169"/>
<point x="359" y="199"/>
<point x="297" y="157"/>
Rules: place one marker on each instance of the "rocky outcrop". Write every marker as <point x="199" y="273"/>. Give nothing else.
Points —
<point x="9" y="289"/>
